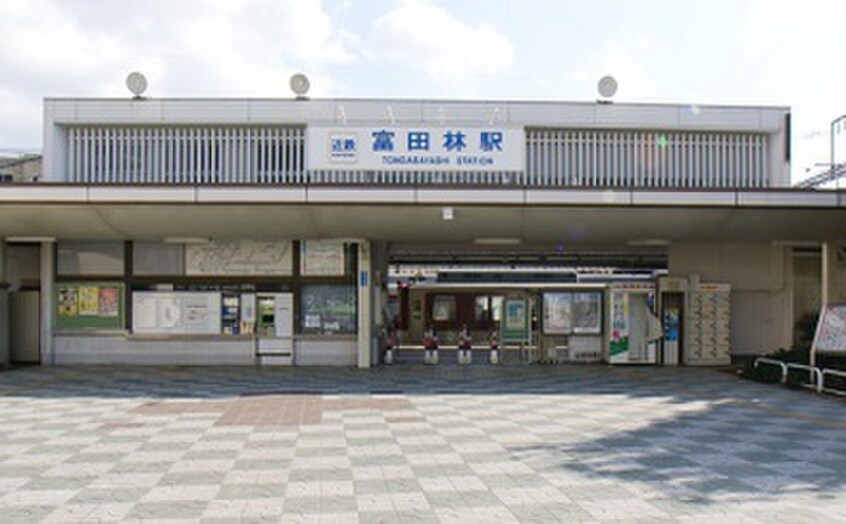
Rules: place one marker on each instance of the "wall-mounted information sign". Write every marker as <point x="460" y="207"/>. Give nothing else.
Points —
<point x="239" y="258"/>
<point x="176" y="312"/>
<point x="322" y="258"/>
<point x="455" y="148"/>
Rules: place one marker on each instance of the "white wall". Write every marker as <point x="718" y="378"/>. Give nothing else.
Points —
<point x="761" y="300"/>
<point x="340" y="352"/>
<point x="117" y="349"/>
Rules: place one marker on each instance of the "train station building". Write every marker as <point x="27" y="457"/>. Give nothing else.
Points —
<point x="293" y="232"/>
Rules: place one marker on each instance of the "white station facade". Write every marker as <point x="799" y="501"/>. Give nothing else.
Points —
<point x="264" y="231"/>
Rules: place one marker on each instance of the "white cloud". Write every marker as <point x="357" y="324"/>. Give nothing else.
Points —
<point x="805" y="40"/>
<point x="185" y="48"/>
<point x="420" y="35"/>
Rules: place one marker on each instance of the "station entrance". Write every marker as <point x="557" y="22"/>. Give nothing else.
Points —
<point x="610" y="307"/>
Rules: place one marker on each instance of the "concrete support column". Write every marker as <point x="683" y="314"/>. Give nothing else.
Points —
<point x="831" y="286"/>
<point x="379" y="266"/>
<point x="48" y="271"/>
<point x="365" y="304"/>
<point x="5" y="337"/>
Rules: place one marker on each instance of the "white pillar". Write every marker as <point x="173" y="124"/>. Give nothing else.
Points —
<point x="5" y="337"/>
<point x="365" y="310"/>
<point x="48" y="270"/>
<point x="830" y="291"/>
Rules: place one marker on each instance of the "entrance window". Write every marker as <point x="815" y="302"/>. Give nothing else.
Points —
<point x="483" y="308"/>
<point x="443" y="308"/>
<point x="328" y="308"/>
<point x="90" y="258"/>
<point x="488" y="309"/>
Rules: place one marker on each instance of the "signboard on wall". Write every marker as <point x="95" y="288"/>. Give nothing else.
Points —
<point x="89" y="305"/>
<point x="157" y="312"/>
<point x="830" y="336"/>
<point x="322" y="257"/>
<point x="239" y="258"/>
<point x="455" y="148"/>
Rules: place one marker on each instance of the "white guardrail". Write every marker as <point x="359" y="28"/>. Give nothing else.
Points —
<point x="816" y="374"/>
<point x="836" y="373"/>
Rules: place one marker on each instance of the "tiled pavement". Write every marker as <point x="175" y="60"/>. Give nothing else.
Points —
<point x="413" y="443"/>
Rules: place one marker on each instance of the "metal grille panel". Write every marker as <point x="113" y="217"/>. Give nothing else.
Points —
<point x="597" y="158"/>
<point x="186" y="155"/>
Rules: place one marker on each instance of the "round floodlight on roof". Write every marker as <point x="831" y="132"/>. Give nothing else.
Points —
<point x="136" y="83"/>
<point x="300" y="84"/>
<point x="607" y="86"/>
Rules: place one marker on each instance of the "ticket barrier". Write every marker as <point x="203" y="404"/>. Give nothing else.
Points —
<point x="391" y="345"/>
<point x="465" y="347"/>
<point x="430" y="346"/>
<point x="493" y="342"/>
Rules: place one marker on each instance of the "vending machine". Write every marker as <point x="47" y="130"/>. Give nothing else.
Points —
<point x="275" y="329"/>
<point x="230" y="317"/>
<point x="635" y="330"/>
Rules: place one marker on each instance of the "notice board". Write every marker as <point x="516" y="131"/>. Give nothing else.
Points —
<point x="188" y="313"/>
<point x="89" y="305"/>
<point x="830" y="336"/>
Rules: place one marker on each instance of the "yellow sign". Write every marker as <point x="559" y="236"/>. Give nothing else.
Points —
<point x="89" y="301"/>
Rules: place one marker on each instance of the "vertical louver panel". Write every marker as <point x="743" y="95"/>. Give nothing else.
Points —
<point x="603" y="158"/>
<point x="185" y="154"/>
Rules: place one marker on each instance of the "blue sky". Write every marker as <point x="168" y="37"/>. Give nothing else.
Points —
<point x="758" y="52"/>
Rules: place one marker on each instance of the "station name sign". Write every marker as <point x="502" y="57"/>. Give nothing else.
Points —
<point x="390" y="148"/>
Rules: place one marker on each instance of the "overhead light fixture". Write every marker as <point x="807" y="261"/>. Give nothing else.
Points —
<point x="447" y="213"/>
<point x="649" y="242"/>
<point x="497" y="241"/>
<point x="187" y="240"/>
<point x="29" y="240"/>
<point x="796" y="243"/>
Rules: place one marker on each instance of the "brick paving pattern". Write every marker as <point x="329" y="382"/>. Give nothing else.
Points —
<point x="416" y="444"/>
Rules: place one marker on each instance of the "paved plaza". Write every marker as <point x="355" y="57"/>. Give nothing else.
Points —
<point x="413" y="443"/>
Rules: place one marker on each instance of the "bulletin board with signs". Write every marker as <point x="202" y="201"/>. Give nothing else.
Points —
<point x="89" y="305"/>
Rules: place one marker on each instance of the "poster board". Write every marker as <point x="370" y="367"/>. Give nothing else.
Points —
<point x="566" y="312"/>
<point x="515" y="322"/>
<point x="830" y="336"/>
<point x="557" y="313"/>
<point x="185" y="313"/>
<point x="587" y="313"/>
<point x="322" y="258"/>
<point x="89" y="305"/>
<point x="239" y="258"/>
